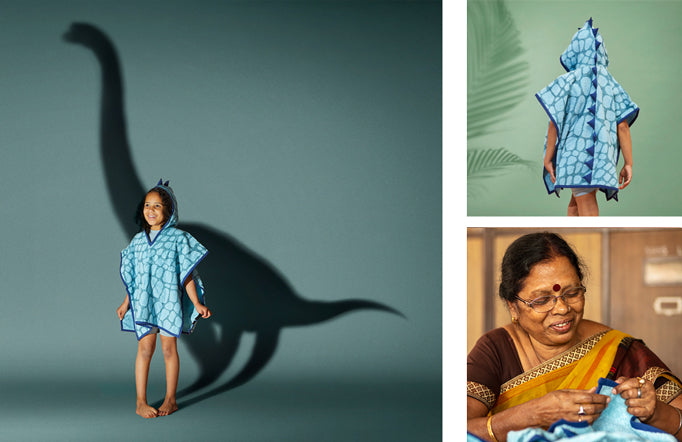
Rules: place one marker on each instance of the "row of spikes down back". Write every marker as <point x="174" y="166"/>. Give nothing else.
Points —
<point x="592" y="109"/>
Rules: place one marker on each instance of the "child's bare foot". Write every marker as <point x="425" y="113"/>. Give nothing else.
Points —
<point x="169" y="406"/>
<point x="145" y="410"/>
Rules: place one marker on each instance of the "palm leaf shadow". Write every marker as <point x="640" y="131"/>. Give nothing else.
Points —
<point x="496" y="80"/>
<point x="487" y="163"/>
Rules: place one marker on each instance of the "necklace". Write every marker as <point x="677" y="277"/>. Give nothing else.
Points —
<point x="540" y="359"/>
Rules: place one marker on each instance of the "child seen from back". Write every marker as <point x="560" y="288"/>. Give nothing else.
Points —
<point x="590" y="117"/>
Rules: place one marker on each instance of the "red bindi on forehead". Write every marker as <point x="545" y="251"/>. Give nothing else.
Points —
<point x="556" y="287"/>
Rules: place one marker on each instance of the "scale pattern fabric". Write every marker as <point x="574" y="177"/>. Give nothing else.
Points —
<point x="153" y="272"/>
<point x="586" y="104"/>
<point x="614" y="424"/>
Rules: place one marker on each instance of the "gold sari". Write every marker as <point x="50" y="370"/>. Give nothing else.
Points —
<point x="580" y="367"/>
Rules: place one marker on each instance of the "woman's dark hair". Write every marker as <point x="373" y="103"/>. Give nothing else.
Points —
<point x="167" y="208"/>
<point x="526" y="252"/>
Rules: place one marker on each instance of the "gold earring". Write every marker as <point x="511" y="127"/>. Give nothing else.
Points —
<point x="515" y="320"/>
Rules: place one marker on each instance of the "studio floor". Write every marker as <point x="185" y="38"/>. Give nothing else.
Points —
<point x="262" y="410"/>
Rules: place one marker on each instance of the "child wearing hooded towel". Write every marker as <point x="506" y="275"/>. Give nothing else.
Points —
<point x="164" y="292"/>
<point x="590" y="117"/>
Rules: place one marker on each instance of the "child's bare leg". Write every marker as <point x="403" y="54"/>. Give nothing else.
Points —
<point x="572" y="207"/>
<point x="169" y="345"/>
<point x="145" y="351"/>
<point x="587" y="204"/>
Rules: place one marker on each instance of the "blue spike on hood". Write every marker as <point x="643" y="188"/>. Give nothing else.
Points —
<point x="584" y="50"/>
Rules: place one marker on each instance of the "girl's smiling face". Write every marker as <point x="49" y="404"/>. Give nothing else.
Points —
<point x="153" y="211"/>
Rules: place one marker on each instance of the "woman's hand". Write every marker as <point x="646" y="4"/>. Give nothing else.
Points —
<point x="539" y="412"/>
<point x="566" y="404"/>
<point x="122" y="309"/>
<point x="643" y="406"/>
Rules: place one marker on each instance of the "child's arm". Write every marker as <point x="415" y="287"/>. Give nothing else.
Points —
<point x="192" y="293"/>
<point x="121" y="311"/>
<point x="626" y="147"/>
<point x="549" y="152"/>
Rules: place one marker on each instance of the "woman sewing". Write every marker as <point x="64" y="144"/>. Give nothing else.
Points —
<point x="544" y="365"/>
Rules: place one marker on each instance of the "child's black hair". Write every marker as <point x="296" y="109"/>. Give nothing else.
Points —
<point x="167" y="209"/>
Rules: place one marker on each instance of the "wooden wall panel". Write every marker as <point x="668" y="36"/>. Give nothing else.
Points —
<point x="634" y="302"/>
<point x="475" y="299"/>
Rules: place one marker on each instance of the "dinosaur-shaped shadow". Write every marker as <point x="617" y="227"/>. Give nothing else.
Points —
<point x="245" y="292"/>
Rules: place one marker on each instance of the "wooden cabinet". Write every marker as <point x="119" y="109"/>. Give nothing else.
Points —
<point x="646" y="290"/>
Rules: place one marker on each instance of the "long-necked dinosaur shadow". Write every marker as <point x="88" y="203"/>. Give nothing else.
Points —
<point x="245" y="292"/>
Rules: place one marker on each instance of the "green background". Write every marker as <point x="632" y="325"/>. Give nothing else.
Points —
<point x="643" y="41"/>
<point x="310" y="132"/>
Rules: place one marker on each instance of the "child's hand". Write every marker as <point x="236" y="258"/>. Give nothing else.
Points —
<point x="625" y="176"/>
<point x="550" y="168"/>
<point x="121" y="311"/>
<point x="203" y="311"/>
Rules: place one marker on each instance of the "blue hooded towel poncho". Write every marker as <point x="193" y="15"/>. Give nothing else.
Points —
<point x="153" y="273"/>
<point x="586" y="104"/>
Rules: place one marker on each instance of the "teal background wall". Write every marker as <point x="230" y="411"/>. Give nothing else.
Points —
<point x="308" y="131"/>
<point x="642" y="39"/>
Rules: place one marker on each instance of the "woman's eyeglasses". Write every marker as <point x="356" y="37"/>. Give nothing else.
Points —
<point x="543" y="304"/>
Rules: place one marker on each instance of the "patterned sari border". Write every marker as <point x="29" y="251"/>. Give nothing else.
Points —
<point x="653" y="372"/>
<point x="670" y="389"/>
<point x="570" y="356"/>
<point x="482" y="393"/>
